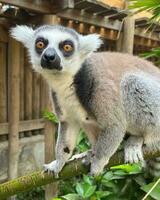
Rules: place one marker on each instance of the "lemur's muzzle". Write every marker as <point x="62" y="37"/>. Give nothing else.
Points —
<point x="51" y="60"/>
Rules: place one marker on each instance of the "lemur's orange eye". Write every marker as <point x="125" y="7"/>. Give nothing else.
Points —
<point x="40" y="45"/>
<point x="68" y="48"/>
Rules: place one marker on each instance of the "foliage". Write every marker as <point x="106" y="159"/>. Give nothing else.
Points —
<point x="35" y="193"/>
<point x="50" y="116"/>
<point x="148" y="5"/>
<point x="153" y="53"/>
<point x="123" y="182"/>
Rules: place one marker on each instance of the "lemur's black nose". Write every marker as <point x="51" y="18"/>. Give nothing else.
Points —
<point x="51" y="60"/>
<point x="49" y="57"/>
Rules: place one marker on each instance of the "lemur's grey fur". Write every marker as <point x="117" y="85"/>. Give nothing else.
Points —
<point x="107" y="94"/>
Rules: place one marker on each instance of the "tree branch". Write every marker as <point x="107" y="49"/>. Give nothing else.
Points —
<point x="71" y="169"/>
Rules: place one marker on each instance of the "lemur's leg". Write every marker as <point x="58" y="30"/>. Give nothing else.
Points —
<point x="141" y="99"/>
<point x="108" y="142"/>
<point x="133" y="149"/>
<point x="66" y="142"/>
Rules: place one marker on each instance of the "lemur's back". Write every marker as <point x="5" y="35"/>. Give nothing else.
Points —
<point x="108" y="71"/>
<point x="115" y="65"/>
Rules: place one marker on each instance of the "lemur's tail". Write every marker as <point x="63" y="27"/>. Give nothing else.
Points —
<point x="153" y="167"/>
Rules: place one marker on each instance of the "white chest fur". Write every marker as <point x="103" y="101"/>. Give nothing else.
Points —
<point x="67" y="99"/>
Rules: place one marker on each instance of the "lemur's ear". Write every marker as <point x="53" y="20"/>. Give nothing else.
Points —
<point x="23" y="34"/>
<point x="90" y="43"/>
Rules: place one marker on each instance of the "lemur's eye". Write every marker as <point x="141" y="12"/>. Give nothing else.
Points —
<point x="67" y="47"/>
<point x="40" y="45"/>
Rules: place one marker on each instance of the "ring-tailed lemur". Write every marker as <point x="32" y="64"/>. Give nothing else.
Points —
<point x="107" y="94"/>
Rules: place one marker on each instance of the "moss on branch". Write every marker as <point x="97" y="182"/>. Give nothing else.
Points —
<point x="71" y="169"/>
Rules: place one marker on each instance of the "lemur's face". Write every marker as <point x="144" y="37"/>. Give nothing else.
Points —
<point x="56" y="49"/>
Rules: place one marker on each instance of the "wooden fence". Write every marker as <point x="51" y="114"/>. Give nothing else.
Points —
<point x="31" y="86"/>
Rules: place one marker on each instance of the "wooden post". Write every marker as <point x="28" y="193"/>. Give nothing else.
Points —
<point x="28" y="92"/>
<point x="128" y="33"/>
<point x="49" y="130"/>
<point x="3" y="85"/>
<point x="35" y="98"/>
<point x="14" y="107"/>
<point x="22" y="92"/>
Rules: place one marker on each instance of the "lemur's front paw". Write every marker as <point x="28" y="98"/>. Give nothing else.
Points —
<point x="85" y="156"/>
<point x="133" y="154"/>
<point x="97" y="167"/>
<point x="53" y="167"/>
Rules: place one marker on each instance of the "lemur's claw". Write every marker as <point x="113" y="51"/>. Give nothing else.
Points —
<point x="51" y="169"/>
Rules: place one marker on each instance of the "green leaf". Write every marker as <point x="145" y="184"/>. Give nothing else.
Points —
<point x="155" y="192"/>
<point x="88" y="179"/>
<point x="140" y="180"/>
<point x="129" y="168"/>
<point x="81" y="136"/>
<point x="80" y="189"/>
<point x="108" y="176"/>
<point x="88" y="190"/>
<point x="50" y="116"/>
<point x="71" y="197"/>
<point x="102" y="194"/>
<point x="85" y="190"/>
<point x="147" y="5"/>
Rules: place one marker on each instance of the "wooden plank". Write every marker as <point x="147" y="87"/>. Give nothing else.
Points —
<point x="14" y="107"/>
<point x="36" y="98"/>
<point x="114" y="3"/>
<point x="99" y="21"/>
<point x="85" y="17"/>
<point x="3" y="35"/>
<point x="142" y="32"/>
<point x="3" y="83"/>
<point x="40" y="6"/>
<point x="22" y="97"/>
<point x="25" y="125"/>
<point x="3" y="86"/>
<point x="128" y="35"/>
<point x="28" y="92"/>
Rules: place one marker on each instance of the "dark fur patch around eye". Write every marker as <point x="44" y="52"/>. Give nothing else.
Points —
<point x="66" y="42"/>
<point x="41" y="39"/>
<point x="66" y="150"/>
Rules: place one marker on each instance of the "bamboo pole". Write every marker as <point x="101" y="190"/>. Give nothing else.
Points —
<point x="14" y="107"/>
<point x="71" y="169"/>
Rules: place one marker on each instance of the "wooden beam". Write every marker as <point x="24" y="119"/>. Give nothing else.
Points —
<point x="142" y="32"/>
<point x="39" y="6"/>
<point x="3" y="35"/>
<point x="114" y="3"/>
<point x="128" y="35"/>
<point x="28" y="91"/>
<point x="88" y="18"/>
<point x="14" y="107"/>
<point x="3" y="85"/>
<point x="26" y="125"/>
